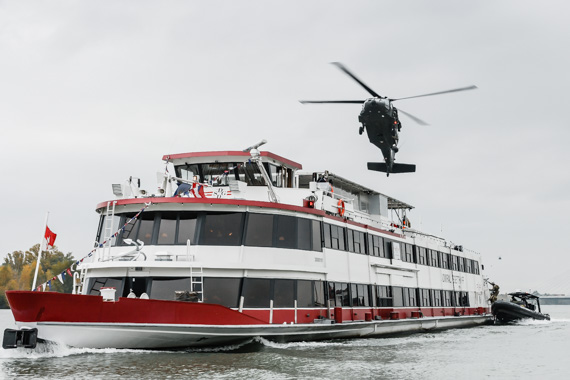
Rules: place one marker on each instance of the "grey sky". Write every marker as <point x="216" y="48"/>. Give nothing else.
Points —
<point x="93" y="92"/>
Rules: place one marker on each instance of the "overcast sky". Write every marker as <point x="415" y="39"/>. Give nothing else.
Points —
<point x="94" y="92"/>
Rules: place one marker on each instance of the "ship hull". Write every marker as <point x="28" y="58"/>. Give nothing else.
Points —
<point x="87" y="321"/>
<point x="506" y="312"/>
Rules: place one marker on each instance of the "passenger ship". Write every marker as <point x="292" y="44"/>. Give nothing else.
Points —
<point x="235" y="245"/>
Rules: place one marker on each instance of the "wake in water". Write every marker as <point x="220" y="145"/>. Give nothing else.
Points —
<point x="56" y="350"/>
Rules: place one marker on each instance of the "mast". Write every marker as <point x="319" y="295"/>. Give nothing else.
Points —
<point x="42" y="242"/>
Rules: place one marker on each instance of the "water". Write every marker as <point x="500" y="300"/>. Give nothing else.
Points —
<point x="529" y="349"/>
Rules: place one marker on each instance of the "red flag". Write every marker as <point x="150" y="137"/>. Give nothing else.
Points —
<point x="50" y="237"/>
<point x="69" y="272"/>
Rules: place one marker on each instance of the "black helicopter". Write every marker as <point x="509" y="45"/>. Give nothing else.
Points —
<point x="380" y="119"/>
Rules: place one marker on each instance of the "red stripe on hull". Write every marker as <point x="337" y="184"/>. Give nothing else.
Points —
<point x="59" y="307"/>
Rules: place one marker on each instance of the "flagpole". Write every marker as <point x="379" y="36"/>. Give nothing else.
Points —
<point x="42" y="242"/>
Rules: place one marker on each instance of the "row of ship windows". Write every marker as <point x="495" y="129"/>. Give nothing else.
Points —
<point x="266" y="230"/>
<point x="259" y="292"/>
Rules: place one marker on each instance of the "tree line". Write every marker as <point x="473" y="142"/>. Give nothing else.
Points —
<point x="17" y="271"/>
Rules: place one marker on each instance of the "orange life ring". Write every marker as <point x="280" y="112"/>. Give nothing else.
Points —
<point x="340" y="205"/>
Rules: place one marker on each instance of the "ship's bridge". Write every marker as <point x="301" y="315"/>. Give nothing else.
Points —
<point x="220" y="168"/>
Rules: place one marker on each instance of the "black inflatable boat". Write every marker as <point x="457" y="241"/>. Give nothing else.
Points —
<point x="522" y="305"/>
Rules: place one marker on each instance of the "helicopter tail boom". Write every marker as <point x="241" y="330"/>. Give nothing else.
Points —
<point x="396" y="168"/>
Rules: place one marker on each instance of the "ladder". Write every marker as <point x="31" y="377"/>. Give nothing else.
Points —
<point x="197" y="282"/>
<point x="108" y="229"/>
<point x="78" y="281"/>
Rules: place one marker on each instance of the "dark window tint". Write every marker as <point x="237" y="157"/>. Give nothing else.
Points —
<point x="285" y="232"/>
<point x="222" y="291"/>
<point x="145" y="229"/>
<point x="317" y="240"/>
<point x="167" y="228"/>
<point x="284" y="293"/>
<point x="222" y="229"/>
<point x="95" y="284"/>
<point x="259" y="231"/>
<point x="342" y="294"/>
<point x="166" y="288"/>
<point x="305" y="294"/>
<point x="187" y="228"/>
<point x="304" y="234"/>
<point x="256" y="292"/>
<point x="384" y="296"/>
<point x="360" y="296"/>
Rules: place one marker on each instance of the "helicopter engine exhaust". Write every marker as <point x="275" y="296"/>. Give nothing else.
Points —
<point x="396" y="168"/>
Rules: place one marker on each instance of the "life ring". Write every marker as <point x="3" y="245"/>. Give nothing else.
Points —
<point x="340" y="206"/>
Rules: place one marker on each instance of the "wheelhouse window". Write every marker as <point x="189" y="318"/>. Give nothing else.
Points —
<point x="222" y="229"/>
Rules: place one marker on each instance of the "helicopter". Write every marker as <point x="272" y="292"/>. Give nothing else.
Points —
<point x="380" y="120"/>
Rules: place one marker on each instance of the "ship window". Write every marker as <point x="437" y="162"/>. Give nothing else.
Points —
<point x="336" y="240"/>
<point x="446" y="300"/>
<point x="187" y="227"/>
<point x="360" y="295"/>
<point x="285" y="232"/>
<point x="317" y="236"/>
<point x="259" y="230"/>
<point x="95" y="284"/>
<point x="319" y="293"/>
<point x="165" y="288"/>
<point x="375" y="246"/>
<point x="222" y="291"/>
<point x="468" y="266"/>
<point x="384" y="296"/>
<point x="425" y="298"/>
<point x="356" y="241"/>
<point x="387" y="249"/>
<point x="256" y="292"/>
<point x="304" y="234"/>
<point x="454" y="265"/>
<point x="284" y="293"/>
<point x="408" y="255"/>
<point x="433" y="258"/>
<point x="216" y="174"/>
<point x="250" y="174"/>
<point x="146" y="222"/>
<point x="475" y="267"/>
<point x="436" y="297"/>
<point x="305" y="294"/>
<point x="187" y="172"/>
<point x="167" y="228"/>
<point x="444" y="260"/>
<point x="342" y="294"/>
<point x="409" y="295"/>
<point x="222" y="229"/>
<point x="422" y="256"/>
<point x="398" y="296"/>
<point x="461" y="262"/>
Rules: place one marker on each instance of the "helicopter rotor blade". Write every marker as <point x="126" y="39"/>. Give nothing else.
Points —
<point x="414" y="118"/>
<point x="331" y="101"/>
<point x="371" y="91"/>
<point x="438" y="93"/>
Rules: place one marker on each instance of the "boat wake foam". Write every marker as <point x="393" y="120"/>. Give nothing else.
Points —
<point x="57" y="350"/>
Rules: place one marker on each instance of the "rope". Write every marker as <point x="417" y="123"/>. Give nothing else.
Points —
<point x="61" y="276"/>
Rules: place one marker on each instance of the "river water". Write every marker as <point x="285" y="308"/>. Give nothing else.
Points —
<point x="528" y="350"/>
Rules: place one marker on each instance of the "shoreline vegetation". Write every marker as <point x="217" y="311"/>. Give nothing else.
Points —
<point x="17" y="271"/>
